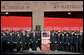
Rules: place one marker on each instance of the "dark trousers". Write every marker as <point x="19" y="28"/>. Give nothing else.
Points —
<point x="53" y="46"/>
<point x="76" y="47"/>
<point x="30" y="46"/>
<point x="4" y="47"/>
<point x="27" y="46"/>
<point x="18" y="47"/>
<point x="80" y="48"/>
<point x="11" y="47"/>
<point x="34" y="46"/>
<point x="71" y="47"/>
<point x="63" y="49"/>
<point x="67" y="47"/>
<point x="56" y="46"/>
<point x="59" y="46"/>
<point x="39" y="44"/>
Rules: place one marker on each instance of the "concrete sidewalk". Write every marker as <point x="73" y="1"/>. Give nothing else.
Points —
<point x="40" y="52"/>
<point x="51" y="52"/>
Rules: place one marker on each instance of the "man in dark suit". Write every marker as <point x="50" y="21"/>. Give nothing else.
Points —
<point x="39" y="39"/>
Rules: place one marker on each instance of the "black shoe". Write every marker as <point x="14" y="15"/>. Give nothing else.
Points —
<point x="52" y="50"/>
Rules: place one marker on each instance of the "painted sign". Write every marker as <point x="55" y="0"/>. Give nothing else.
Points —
<point x="45" y="46"/>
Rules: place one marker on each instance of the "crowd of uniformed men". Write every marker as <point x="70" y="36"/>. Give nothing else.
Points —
<point x="23" y="40"/>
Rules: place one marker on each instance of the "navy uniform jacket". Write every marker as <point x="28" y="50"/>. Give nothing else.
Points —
<point x="31" y="35"/>
<point x="68" y="39"/>
<point x="63" y="39"/>
<point x="76" y="39"/>
<point x="19" y="38"/>
<point x="58" y="41"/>
<point x="1" y="35"/>
<point x="60" y="38"/>
<point x="52" y="38"/>
<point x="27" y="38"/>
<point x="39" y="36"/>
<point x="72" y="37"/>
<point x="56" y="36"/>
<point x="81" y="39"/>
<point x="24" y="38"/>
<point x="3" y="38"/>
<point x="10" y="39"/>
<point x="35" y="38"/>
<point x="21" y="35"/>
<point x="15" y="38"/>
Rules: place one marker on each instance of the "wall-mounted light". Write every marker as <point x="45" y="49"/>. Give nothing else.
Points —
<point x="69" y="13"/>
<point x="6" y="12"/>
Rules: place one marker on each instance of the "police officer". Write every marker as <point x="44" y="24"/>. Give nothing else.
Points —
<point x="7" y="39"/>
<point x="27" y="40"/>
<point x="10" y="40"/>
<point x="37" y="35"/>
<point x="56" y="36"/>
<point x="63" y="42"/>
<point x="34" y="41"/>
<point x="72" y="43"/>
<point x="68" y="39"/>
<point x="58" y="41"/>
<point x="31" y="35"/>
<point x="81" y="42"/>
<point x="24" y="40"/>
<point x="53" y="40"/>
<point x="18" y="36"/>
<point x="1" y="41"/>
<point x="76" y="39"/>
<point x="16" y="44"/>
<point x="4" y="42"/>
<point x="39" y="39"/>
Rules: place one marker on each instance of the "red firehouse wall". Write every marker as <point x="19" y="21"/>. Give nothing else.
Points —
<point x="50" y="23"/>
<point x="61" y="24"/>
<point x="16" y="22"/>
